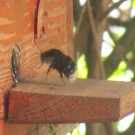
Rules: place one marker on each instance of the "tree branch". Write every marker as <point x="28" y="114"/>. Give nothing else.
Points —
<point x="76" y="10"/>
<point x="80" y="19"/>
<point x="105" y="14"/>
<point x="117" y="22"/>
<point x="92" y="22"/>
<point x="126" y="41"/>
<point x="99" y="18"/>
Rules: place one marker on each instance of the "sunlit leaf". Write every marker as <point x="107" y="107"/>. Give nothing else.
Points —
<point x="106" y="49"/>
<point x="75" y="131"/>
<point x="125" y="123"/>
<point x="108" y="39"/>
<point x="133" y="8"/>
<point x="82" y="67"/>
<point x="122" y="73"/>
<point x="82" y="2"/>
<point x="130" y="55"/>
<point x="82" y="129"/>
<point x="121" y="68"/>
<point x="133" y="3"/>
<point x="117" y="32"/>
<point x="114" y="13"/>
<point x="125" y="5"/>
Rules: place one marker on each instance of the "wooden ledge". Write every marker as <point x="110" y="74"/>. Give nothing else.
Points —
<point x="80" y="101"/>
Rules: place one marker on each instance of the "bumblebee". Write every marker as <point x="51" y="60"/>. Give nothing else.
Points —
<point x="60" y="62"/>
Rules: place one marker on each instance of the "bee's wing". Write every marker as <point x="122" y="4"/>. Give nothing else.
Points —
<point x="49" y="60"/>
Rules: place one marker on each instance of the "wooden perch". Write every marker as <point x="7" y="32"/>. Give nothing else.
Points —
<point x="88" y="100"/>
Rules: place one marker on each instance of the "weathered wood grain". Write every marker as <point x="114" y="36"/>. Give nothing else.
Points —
<point x="18" y="22"/>
<point x="89" y="100"/>
<point x="18" y="25"/>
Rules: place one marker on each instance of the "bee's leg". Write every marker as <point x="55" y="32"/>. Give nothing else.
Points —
<point x="61" y="75"/>
<point x="41" y="65"/>
<point x="48" y="71"/>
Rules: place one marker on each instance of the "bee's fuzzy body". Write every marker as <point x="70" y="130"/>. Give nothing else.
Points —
<point x="60" y="62"/>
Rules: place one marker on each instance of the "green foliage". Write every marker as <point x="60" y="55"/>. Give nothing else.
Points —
<point x="125" y="123"/>
<point x="82" y="67"/>
<point x="107" y="46"/>
<point x="80" y="130"/>
<point x="120" y="72"/>
<point x="133" y="3"/>
<point x="51" y="129"/>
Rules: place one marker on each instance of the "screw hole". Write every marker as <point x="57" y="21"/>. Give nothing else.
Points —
<point x="15" y="63"/>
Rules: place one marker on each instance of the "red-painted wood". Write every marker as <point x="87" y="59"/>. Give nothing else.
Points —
<point x="88" y="100"/>
<point x="18" y="25"/>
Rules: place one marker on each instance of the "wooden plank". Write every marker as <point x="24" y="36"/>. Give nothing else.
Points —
<point x="51" y="101"/>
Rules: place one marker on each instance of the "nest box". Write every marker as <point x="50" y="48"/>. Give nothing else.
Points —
<point x="26" y="28"/>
